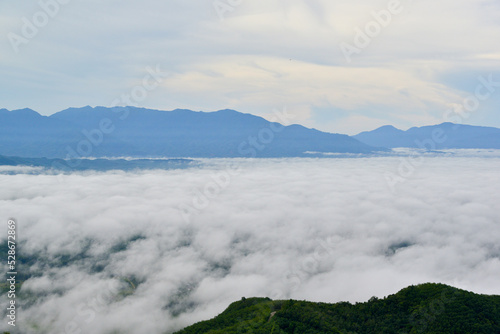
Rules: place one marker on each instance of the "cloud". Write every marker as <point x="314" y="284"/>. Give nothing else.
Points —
<point x="248" y="82"/>
<point x="114" y="250"/>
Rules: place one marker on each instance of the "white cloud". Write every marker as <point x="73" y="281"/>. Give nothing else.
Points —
<point x="318" y="229"/>
<point x="250" y="82"/>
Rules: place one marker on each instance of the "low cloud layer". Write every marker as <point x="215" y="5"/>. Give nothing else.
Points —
<point x="158" y="250"/>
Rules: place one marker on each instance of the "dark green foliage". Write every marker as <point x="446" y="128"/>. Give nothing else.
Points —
<point x="250" y="315"/>
<point x="425" y="308"/>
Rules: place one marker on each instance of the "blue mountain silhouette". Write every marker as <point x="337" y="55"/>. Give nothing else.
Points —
<point x="442" y="136"/>
<point x="139" y="132"/>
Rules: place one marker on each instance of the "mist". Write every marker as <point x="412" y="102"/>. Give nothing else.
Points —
<point x="155" y="251"/>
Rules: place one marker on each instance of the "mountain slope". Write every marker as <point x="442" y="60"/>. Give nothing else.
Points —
<point x="25" y="132"/>
<point x="139" y="132"/>
<point x="441" y="136"/>
<point x="426" y="308"/>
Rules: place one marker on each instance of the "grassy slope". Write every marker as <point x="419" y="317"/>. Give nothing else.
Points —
<point x="426" y="308"/>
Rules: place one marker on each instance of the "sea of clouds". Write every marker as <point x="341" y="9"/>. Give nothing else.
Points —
<point x="154" y="251"/>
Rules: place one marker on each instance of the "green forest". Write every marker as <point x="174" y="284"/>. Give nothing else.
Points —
<point x="425" y="308"/>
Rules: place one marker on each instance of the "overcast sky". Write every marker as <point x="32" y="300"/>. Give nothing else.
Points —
<point x="416" y="60"/>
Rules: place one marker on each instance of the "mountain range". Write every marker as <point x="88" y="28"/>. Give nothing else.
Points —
<point x="137" y="132"/>
<point x="103" y="132"/>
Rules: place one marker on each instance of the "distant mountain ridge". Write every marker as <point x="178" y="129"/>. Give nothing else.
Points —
<point x="442" y="136"/>
<point x="139" y="132"/>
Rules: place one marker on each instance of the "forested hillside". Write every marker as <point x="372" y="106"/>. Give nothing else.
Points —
<point x="426" y="308"/>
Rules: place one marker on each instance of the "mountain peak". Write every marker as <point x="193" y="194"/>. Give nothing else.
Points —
<point x="387" y="128"/>
<point x="25" y="111"/>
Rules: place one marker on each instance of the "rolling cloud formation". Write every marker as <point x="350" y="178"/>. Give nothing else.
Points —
<point x="154" y="251"/>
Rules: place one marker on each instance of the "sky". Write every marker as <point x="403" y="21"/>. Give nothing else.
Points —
<point x="338" y="66"/>
<point x="178" y="246"/>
